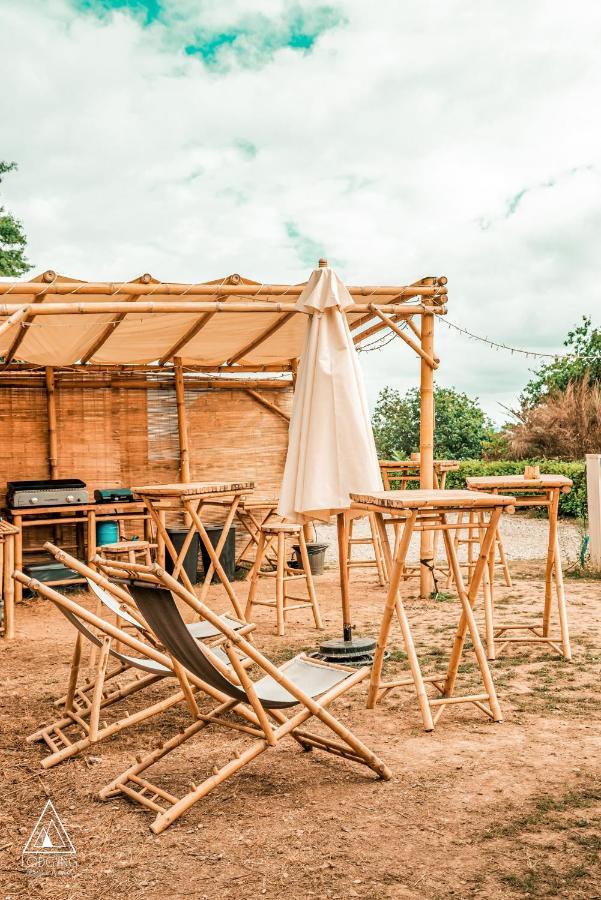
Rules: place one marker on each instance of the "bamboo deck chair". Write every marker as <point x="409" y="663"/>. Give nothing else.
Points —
<point x="112" y="595"/>
<point x="82" y="709"/>
<point x="301" y="684"/>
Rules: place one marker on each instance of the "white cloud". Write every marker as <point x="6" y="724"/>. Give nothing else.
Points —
<point x="390" y="145"/>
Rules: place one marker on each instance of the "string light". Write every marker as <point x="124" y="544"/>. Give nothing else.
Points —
<point x="496" y="345"/>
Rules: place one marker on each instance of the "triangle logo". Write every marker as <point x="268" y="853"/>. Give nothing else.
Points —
<point x="49" y="836"/>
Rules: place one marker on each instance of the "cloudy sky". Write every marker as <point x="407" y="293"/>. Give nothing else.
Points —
<point x="403" y="138"/>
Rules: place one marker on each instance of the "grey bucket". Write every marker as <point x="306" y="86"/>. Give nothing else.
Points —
<point x="317" y="557"/>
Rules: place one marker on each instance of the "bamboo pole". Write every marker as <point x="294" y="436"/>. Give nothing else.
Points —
<point x="426" y="449"/>
<point x="15" y="318"/>
<point x="270" y="406"/>
<point x="432" y="361"/>
<point x="33" y="288"/>
<point x="148" y="307"/>
<point x="166" y="384"/>
<point x="182" y="424"/>
<point x="52" y="425"/>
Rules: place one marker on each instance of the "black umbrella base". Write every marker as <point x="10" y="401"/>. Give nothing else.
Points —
<point x="356" y="652"/>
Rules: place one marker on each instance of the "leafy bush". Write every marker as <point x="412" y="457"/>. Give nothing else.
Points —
<point x="461" y="426"/>
<point x="582" y="363"/>
<point x="572" y="504"/>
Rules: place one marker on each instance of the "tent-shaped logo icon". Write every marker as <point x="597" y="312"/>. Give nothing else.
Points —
<point x="49" y="848"/>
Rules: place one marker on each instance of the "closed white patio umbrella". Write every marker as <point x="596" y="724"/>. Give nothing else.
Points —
<point x="331" y="449"/>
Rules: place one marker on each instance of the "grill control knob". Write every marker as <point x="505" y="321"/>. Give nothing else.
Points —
<point x="70" y="498"/>
<point x="33" y="499"/>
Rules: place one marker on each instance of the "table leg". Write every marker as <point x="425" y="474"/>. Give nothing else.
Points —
<point x="91" y="537"/>
<point x="164" y="542"/>
<point x="553" y="505"/>
<point x="561" y="603"/>
<point x="162" y="518"/>
<point x="470" y="620"/>
<point x="17" y="522"/>
<point x="472" y="593"/>
<point x="214" y="557"/>
<point x="9" y="587"/>
<point x="218" y="547"/>
<point x="487" y="590"/>
<point x="394" y="603"/>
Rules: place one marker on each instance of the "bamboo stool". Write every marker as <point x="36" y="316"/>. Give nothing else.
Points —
<point x="252" y="512"/>
<point x="429" y="511"/>
<point x="129" y="550"/>
<point x="375" y="541"/>
<point x="7" y="585"/>
<point x="538" y="491"/>
<point x="283" y="574"/>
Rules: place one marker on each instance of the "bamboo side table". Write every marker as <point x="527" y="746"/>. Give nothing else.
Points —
<point x="8" y="534"/>
<point x="424" y="510"/>
<point x="543" y="491"/>
<point x="189" y="500"/>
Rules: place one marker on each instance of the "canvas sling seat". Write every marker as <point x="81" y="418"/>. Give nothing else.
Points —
<point x="302" y="685"/>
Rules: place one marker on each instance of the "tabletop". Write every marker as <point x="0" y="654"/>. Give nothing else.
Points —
<point x="193" y="488"/>
<point x="518" y="482"/>
<point x="432" y="499"/>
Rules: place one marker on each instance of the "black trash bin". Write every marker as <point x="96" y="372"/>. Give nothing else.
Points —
<point x="228" y="554"/>
<point x="178" y="535"/>
<point x="227" y="557"/>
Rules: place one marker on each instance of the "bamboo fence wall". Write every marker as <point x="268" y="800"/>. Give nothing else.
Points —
<point x="113" y="437"/>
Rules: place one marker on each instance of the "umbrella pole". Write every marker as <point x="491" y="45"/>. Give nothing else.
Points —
<point x="341" y="527"/>
<point x="349" y="651"/>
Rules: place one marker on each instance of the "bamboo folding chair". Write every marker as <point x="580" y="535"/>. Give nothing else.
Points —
<point x="301" y="684"/>
<point x="79" y="725"/>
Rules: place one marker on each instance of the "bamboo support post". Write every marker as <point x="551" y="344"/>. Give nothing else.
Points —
<point x="182" y="423"/>
<point x="52" y="423"/>
<point x="426" y="449"/>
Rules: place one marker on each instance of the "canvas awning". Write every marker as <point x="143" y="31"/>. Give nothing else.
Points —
<point x="54" y="320"/>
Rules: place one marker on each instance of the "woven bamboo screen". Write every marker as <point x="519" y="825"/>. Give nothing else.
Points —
<point x="112" y="437"/>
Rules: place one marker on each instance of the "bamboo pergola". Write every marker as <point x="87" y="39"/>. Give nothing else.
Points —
<point x="231" y="333"/>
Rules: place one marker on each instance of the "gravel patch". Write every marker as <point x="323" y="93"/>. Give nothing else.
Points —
<point x="524" y="538"/>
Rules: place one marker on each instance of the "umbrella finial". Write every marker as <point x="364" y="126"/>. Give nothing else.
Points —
<point x="323" y="263"/>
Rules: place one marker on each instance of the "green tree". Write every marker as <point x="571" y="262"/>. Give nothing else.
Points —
<point x="12" y="237"/>
<point x="583" y="360"/>
<point x="461" y="426"/>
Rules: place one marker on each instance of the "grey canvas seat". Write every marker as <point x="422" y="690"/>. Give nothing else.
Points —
<point x="303" y="687"/>
<point x="159" y="609"/>
<point x="202" y="631"/>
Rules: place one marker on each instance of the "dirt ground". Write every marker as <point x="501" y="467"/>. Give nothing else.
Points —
<point x="474" y="809"/>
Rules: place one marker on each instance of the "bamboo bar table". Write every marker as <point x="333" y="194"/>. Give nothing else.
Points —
<point x="542" y="491"/>
<point x="8" y="535"/>
<point x="190" y="499"/>
<point x="429" y="510"/>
